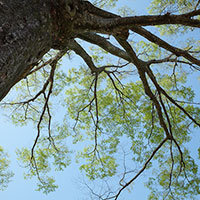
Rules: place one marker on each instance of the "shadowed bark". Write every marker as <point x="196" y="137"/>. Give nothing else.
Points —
<point x="28" y="30"/>
<point x="25" y="36"/>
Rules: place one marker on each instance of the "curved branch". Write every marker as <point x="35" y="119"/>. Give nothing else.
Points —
<point x="76" y="47"/>
<point x="79" y="50"/>
<point x="141" y="171"/>
<point x="45" y="107"/>
<point x="142" y="69"/>
<point x="155" y="39"/>
<point x="104" y="44"/>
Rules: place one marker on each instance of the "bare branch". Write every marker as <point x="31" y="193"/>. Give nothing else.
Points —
<point x="155" y="39"/>
<point x="108" y="25"/>
<point x="73" y="45"/>
<point x="58" y="56"/>
<point x="141" y="171"/>
<point x="51" y="80"/>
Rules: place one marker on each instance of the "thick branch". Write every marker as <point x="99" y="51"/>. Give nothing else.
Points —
<point x="73" y="45"/>
<point x="107" y="25"/>
<point x="104" y="44"/>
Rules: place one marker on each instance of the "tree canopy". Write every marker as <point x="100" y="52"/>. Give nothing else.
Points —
<point x="128" y="108"/>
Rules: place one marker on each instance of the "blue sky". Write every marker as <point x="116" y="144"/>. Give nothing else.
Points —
<point x="13" y="137"/>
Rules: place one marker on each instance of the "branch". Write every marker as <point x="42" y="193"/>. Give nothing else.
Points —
<point x="108" y="25"/>
<point x="142" y="70"/>
<point x="172" y="60"/>
<point x="79" y="50"/>
<point x="58" y="56"/>
<point x="197" y="4"/>
<point x="104" y="44"/>
<point x="73" y="45"/>
<point x="141" y="171"/>
<point x="100" y="41"/>
<point x="160" y="89"/>
<point x="97" y="111"/>
<point x="153" y="38"/>
<point x="45" y="107"/>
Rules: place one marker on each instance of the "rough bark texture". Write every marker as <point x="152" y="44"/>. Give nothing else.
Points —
<point x="28" y="30"/>
<point x="25" y="36"/>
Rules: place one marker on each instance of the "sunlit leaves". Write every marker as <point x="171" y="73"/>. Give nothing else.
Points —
<point x="5" y="173"/>
<point x="47" y="185"/>
<point x="125" y="11"/>
<point x="104" y="3"/>
<point x="175" y="180"/>
<point x="98" y="167"/>
<point x="171" y="6"/>
<point x="51" y="156"/>
<point x="131" y="117"/>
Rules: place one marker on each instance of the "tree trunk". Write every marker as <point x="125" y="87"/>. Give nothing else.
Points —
<point x="29" y="29"/>
<point x="25" y="36"/>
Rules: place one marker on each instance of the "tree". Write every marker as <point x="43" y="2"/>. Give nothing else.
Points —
<point x="133" y="89"/>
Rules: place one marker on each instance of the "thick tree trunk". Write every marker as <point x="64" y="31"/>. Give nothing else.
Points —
<point x="25" y="36"/>
<point x="29" y="29"/>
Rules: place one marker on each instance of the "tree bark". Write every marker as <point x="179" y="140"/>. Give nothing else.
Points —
<point x="28" y="30"/>
<point x="25" y="36"/>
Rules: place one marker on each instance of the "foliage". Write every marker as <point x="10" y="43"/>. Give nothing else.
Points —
<point x="104" y="3"/>
<point x="5" y="174"/>
<point x="172" y="7"/>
